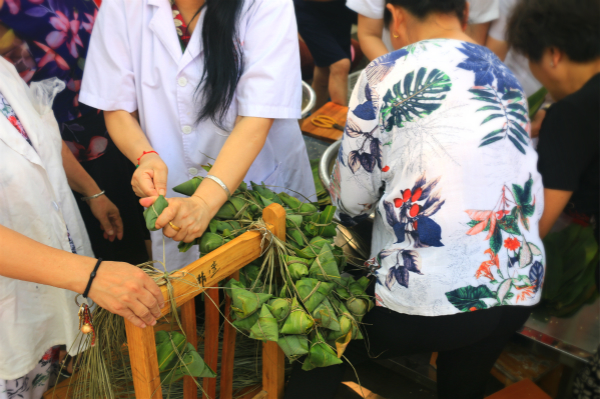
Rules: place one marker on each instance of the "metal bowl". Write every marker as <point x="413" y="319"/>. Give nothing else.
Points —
<point x="309" y="98"/>
<point x="357" y="237"/>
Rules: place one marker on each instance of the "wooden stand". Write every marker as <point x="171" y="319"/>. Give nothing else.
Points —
<point x="218" y="265"/>
<point x="222" y="263"/>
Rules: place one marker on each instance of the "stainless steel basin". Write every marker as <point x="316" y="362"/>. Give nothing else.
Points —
<point x="309" y="98"/>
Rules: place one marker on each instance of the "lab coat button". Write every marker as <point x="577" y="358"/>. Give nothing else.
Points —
<point x="182" y="82"/>
<point x="55" y="205"/>
<point x="186" y="129"/>
<point x="193" y="171"/>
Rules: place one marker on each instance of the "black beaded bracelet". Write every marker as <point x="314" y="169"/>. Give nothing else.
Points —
<point x="89" y="284"/>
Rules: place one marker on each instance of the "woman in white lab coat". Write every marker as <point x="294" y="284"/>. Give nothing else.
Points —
<point x="230" y="97"/>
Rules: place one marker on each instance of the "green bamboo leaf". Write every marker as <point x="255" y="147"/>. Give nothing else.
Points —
<point x="519" y="116"/>
<point x="482" y="93"/>
<point x="516" y="144"/>
<point x="489" y="108"/>
<point x="518" y="136"/>
<point x="491" y="117"/>
<point x="495" y="132"/>
<point x="536" y="100"/>
<point x="490" y="141"/>
<point x="517" y="107"/>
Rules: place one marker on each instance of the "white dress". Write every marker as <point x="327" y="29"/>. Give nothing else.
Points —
<point x="36" y="201"/>
<point x="135" y="63"/>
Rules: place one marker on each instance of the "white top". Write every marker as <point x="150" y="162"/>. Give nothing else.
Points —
<point x="516" y="62"/>
<point x="437" y="144"/>
<point x="36" y="201"/>
<point x="482" y="11"/>
<point x="372" y="9"/>
<point x="135" y="62"/>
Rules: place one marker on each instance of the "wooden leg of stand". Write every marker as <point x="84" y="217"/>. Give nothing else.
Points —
<point x="188" y="322"/>
<point x="228" y="353"/>
<point x="144" y="361"/>
<point x="273" y="370"/>
<point x="211" y="339"/>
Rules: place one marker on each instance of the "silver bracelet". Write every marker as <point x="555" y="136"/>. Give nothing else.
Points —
<point x="93" y="196"/>
<point x="220" y="183"/>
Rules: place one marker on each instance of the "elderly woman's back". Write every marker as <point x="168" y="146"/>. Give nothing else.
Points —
<point x="442" y="127"/>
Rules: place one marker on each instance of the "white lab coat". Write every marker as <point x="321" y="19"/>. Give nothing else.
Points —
<point x="36" y="201"/>
<point x="135" y="63"/>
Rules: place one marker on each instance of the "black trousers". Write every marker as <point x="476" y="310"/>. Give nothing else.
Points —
<point x="468" y="346"/>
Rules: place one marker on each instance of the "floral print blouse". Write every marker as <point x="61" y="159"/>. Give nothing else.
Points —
<point x="49" y="38"/>
<point x="437" y="145"/>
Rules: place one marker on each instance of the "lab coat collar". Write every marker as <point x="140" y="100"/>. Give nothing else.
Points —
<point x="163" y="26"/>
<point x="18" y="100"/>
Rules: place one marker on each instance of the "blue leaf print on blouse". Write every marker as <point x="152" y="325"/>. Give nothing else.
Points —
<point x="379" y="68"/>
<point x="487" y="67"/>
<point x="365" y="111"/>
<point x="430" y="233"/>
<point x="536" y="275"/>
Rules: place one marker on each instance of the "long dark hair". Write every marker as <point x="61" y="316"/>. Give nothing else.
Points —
<point x="223" y="59"/>
<point x="422" y="8"/>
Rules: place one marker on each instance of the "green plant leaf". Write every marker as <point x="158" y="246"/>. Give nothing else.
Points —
<point x="536" y="100"/>
<point x="496" y="240"/>
<point x="469" y="297"/>
<point x="415" y="97"/>
<point x="490" y="141"/>
<point x="509" y="224"/>
<point x="516" y="144"/>
<point x="489" y="108"/>
<point x="493" y="133"/>
<point x="491" y="117"/>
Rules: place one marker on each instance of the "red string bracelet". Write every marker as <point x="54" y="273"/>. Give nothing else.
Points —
<point x="146" y="152"/>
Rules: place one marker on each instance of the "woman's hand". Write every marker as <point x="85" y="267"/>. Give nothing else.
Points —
<point x="150" y="178"/>
<point x="108" y="215"/>
<point x="190" y="215"/>
<point x="126" y="290"/>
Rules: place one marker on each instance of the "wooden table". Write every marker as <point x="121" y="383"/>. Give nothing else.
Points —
<point x="335" y="111"/>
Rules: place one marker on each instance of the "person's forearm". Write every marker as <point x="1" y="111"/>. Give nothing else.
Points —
<point x="370" y="32"/>
<point x="372" y="46"/>
<point x="499" y="47"/>
<point x="126" y="133"/>
<point x="235" y="158"/>
<point x="479" y="32"/>
<point x="25" y="259"/>
<point x="79" y="180"/>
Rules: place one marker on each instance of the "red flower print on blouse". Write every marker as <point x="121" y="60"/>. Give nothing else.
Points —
<point x="512" y="243"/>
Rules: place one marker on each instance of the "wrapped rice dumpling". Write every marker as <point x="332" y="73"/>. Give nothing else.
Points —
<point x="244" y="302"/>
<point x="210" y="241"/>
<point x="325" y="267"/>
<point x="298" y="267"/>
<point x="358" y="306"/>
<point x="293" y="346"/>
<point x="312" y="292"/>
<point x="153" y="212"/>
<point x="265" y="328"/>
<point x="298" y="322"/>
<point x="280" y="308"/>
<point x="189" y="187"/>
<point x="245" y="324"/>
<point x="168" y="344"/>
<point x="325" y="316"/>
<point x="191" y="363"/>
<point x="320" y="354"/>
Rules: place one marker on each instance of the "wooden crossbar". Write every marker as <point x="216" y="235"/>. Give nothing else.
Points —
<point x="209" y="270"/>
